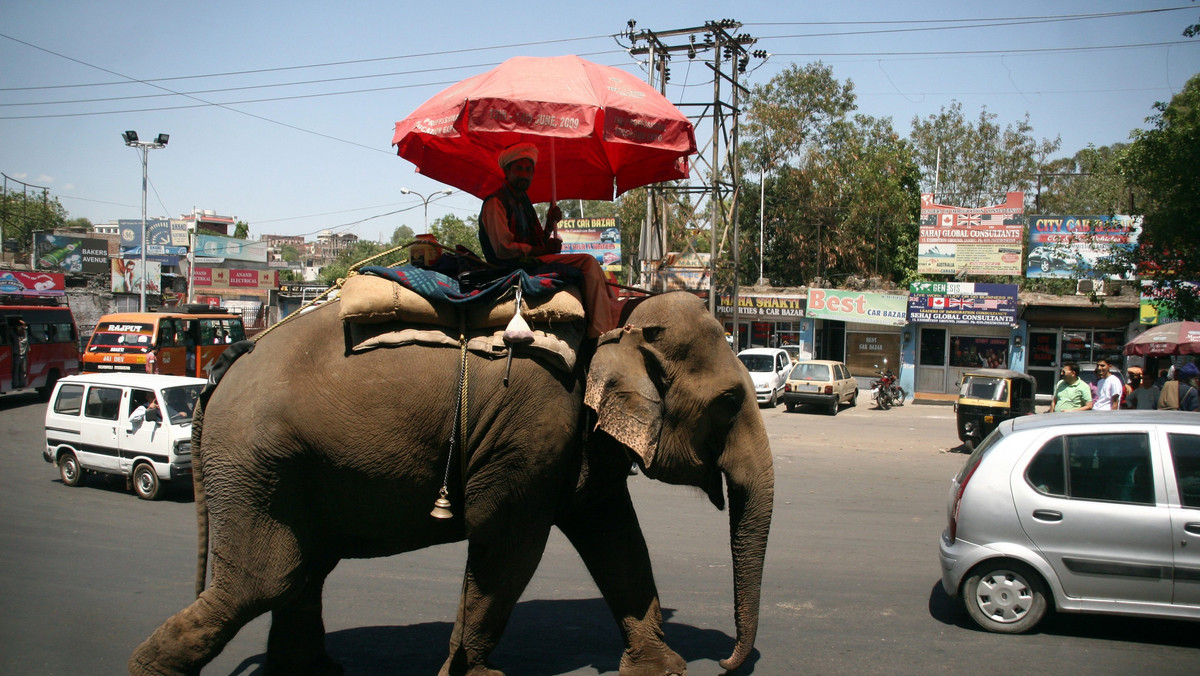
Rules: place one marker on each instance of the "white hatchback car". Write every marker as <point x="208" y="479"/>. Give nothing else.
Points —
<point x="93" y="424"/>
<point x="1096" y="512"/>
<point x="769" y="368"/>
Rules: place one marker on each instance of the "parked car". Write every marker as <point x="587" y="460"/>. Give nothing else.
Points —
<point x="1095" y="513"/>
<point x="93" y="425"/>
<point x="1049" y="259"/>
<point x="769" y="368"/>
<point x="821" y="382"/>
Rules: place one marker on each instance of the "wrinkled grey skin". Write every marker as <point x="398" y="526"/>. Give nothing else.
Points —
<point x="304" y="456"/>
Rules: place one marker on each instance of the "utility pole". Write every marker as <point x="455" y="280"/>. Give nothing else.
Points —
<point x="726" y="55"/>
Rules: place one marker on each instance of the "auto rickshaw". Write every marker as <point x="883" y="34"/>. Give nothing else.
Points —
<point x="988" y="397"/>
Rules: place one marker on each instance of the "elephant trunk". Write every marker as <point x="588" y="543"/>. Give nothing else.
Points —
<point x="751" y="489"/>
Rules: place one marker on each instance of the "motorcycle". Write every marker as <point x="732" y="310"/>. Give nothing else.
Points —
<point x="886" y="391"/>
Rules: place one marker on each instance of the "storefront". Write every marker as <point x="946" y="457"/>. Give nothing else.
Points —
<point x="767" y="320"/>
<point x="1059" y="333"/>
<point x="864" y="329"/>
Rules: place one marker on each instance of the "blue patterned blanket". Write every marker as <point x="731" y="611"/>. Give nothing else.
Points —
<point x="543" y="281"/>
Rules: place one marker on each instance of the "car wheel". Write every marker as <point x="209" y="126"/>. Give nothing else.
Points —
<point x="1045" y="265"/>
<point x="833" y="406"/>
<point x="854" y="398"/>
<point x="1006" y="597"/>
<point x="969" y="444"/>
<point x="774" y="399"/>
<point x="146" y="483"/>
<point x="69" y="469"/>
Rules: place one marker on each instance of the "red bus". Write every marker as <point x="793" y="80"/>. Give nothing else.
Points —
<point x="52" y="352"/>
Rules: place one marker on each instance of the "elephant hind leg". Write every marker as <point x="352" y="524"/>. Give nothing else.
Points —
<point x="191" y="638"/>
<point x="296" y="642"/>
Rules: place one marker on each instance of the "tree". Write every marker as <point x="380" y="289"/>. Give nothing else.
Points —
<point x="354" y="254"/>
<point x="972" y="163"/>
<point x="23" y="213"/>
<point x="241" y="230"/>
<point x="451" y="231"/>
<point x="1090" y="182"/>
<point x="839" y="188"/>
<point x="1163" y="162"/>
<point x="82" y="224"/>
<point x="289" y="253"/>
<point x="402" y="234"/>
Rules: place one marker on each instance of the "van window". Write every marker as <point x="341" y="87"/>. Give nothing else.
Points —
<point x="139" y="398"/>
<point x="103" y="403"/>
<point x="69" y="399"/>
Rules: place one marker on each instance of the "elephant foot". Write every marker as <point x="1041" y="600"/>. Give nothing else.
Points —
<point x="658" y="660"/>
<point x="473" y="671"/>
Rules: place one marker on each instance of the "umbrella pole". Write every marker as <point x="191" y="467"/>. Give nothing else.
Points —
<point x="553" y="183"/>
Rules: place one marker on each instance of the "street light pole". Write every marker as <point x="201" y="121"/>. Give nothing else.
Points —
<point x="131" y="140"/>
<point x="426" y="200"/>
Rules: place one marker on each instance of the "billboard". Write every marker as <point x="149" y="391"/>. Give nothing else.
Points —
<point x="127" y="276"/>
<point x="775" y="307"/>
<point x="224" y="278"/>
<point x="160" y="238"/>
<point x="982" y="241"/>
<point x="598" y="237"/>
<point x="1070" y="246"/>
<point x="962" y="303"/>
<point x="215" y="246"/>
<point x="15" y="283"/>
<point x="67" y="253"/>
<point x="858" y="306"/>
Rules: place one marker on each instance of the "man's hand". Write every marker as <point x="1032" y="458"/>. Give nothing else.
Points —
<point x="553" y="245"/>
<point x="553" y="216"/>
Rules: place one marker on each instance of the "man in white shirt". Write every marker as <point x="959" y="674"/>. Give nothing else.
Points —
<point x="1108" y="388"/>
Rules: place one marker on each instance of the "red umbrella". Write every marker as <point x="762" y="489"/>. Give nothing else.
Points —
<point x="1166" y="339"/>
<point x="595" y="127"/>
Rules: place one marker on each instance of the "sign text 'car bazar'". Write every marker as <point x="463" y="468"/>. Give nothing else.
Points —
<point x="858" y="306"/>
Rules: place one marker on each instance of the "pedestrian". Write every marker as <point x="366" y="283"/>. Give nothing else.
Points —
<point x="1108" y="388"/>
<point x="21" y="360"/>
<point x="1071" y="393"/>
<point x="1180" y="390"/>
<point x="1145" y="396"/>
<point x="510" y="233"/>
<point x="151" y="361"/>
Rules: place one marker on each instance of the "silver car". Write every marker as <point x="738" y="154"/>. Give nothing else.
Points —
<point x="1095" y="512"/>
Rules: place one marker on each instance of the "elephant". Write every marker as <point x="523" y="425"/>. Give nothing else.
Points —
<point x="306" y="454"/>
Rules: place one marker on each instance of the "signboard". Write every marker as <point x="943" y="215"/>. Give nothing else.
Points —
<point x="1070" y="246"/>
<point x="1151" y="309"/>
<point x="983" y="241"/>
<point x="857" y="306"/>
<point x="775" y="307"/>
<point x="224" y="278"/>
<point x="15" y="283"/>
<point x="159" y="238"/>
<point x="66" y="253"/>
<point x="962" y="303"/>
<point x="127" y="276"/>
<point x="231" y="248"/>
<point x="598" y="237"/>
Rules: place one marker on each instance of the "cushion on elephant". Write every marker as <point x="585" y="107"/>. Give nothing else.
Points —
<point x="368" y="299"/>
<point x="558" y="349"/>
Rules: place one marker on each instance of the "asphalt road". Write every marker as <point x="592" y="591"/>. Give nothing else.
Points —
<point x="851" y="583"/>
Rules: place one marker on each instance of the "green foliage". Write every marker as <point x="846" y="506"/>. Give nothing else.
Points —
<point x="289" y="253"/>
<point x="355" y="254"/>
<point x="1164" y="163"/>
<point x="23" y="213"/>
<point x="841" y="190"/>
<point x="451" y="231"/>
<point x="241" y="230"/>
<point x="978" y="160"/>
<point x="80" y="223"/>
<point x="1089" y="183"/>
<point x="402" y="234"/>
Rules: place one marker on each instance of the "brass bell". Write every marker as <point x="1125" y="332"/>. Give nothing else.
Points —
<point x="441" y="506"/>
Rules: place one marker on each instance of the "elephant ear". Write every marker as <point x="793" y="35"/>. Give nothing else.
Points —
<point x="620" y="390"/>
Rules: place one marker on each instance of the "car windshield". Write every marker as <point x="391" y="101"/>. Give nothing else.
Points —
<point x="758" y="363"/>
<point x="181" y="403"/>
<point x="983" y="387"/>
<point x="114" y="339"/>
<point x="810" y="372"/>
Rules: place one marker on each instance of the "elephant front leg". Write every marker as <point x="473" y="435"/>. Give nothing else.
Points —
<point x="496" y="576"/>
<point x="296" y="642"/>
<point x="608" y="537"/>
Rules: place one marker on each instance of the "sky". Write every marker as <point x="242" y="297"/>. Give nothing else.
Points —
<point x="281" y="114"/>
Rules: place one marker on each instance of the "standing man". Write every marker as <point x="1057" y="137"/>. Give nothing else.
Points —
<point x="21" y="360"/>
<point x="1108" y="388"/>
<point x="1071" y="393"/>
<point x="509" y="231"/>
<point x="1145" y="397"/>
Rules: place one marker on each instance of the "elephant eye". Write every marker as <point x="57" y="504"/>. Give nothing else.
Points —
<point x="652" y="333"/>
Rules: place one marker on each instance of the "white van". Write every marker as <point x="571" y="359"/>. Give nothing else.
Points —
<point x="133" y="424"/>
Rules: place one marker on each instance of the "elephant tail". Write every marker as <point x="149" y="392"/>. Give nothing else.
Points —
<point x="201" y="500"/>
